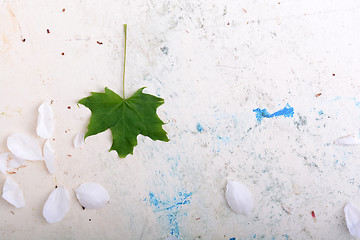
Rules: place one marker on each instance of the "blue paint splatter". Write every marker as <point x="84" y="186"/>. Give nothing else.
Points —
<point x="287" y="111"/>
<point x="222" y="141"/>
<point x="357" y="103"/>
<point x="321" y="112"/>
<point x="172" y="208"/>
<point x="225" y="140"/>
<point x="199" y="127"/>
<point x="232" y="239"/>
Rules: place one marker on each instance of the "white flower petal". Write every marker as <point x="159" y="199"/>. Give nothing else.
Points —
<point x="14" y="162"/>
<point x="239" y="198"/>
<point x="49" y="157"/>
<point x="24" y="147"/>
<point x="92" y="195"/>
<point x="79" y="140"/>
<point x="13" y="194"/>
<point x="352" y="217"/>
<point x="348" y="140"/>
<point x="57" y="205"/>
<point x="46" y="122"/>
<point x="3" y="162"/>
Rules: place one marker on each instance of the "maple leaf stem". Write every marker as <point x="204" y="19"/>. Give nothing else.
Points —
<point x="125" y="28"/>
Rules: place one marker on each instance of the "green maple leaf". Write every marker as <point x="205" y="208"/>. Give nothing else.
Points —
<point x="126" y="118"/>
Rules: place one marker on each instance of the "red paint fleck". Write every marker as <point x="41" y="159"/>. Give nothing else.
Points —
<point x="228" y="23"/>
<point x="62" y="53"/>
<point x="98" y="42"/>
<point x="12" y="212"/>
<point x="197" y="218"/>
<point x="278" y="2"/>
<point x="244" y="10"/>
<point x="23" y="40"/>
<point x="318" y="95"/>
<point x="69" y="155"/>
<point x="68" y="107"/>
<point x="11" y="172"/>
<point x="53" y="139"/>
<point x="333" y="74"/>
<point x="63" y="10"/>
<point x="313" y="214"/>
<point x="48" y="31"/>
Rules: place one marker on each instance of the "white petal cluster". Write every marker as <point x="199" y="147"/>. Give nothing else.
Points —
<point x="24" y="148"/>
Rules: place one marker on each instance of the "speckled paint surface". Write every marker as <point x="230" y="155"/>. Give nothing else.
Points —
<point x="214" y="63"/>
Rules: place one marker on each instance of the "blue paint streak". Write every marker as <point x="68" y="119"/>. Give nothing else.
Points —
<point x="336" y="99"/>
<point x="199" y="127"/>
<point x="232" y="239"/>
<point x="287" y="111"/>
<point x="172" y="208"/>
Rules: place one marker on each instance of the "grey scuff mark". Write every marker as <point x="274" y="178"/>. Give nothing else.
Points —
<point x="165" y="50"/>
<point x="302" y="121"/>
<point x="225" y="11"/>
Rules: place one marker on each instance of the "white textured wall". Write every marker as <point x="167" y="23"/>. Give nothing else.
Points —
<point x="213" y="63"/>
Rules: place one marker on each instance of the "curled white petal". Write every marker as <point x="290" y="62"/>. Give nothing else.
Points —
<point x="79" y="140"/>
<point x="14" y="162"/>
<point x="348" y="140"/>
<point x="92" y="195"/>
<point x="3" y="162"/>
<point x="49" y="157"/>
<point x="352" y="217"/>
<point x="57" y="205"/>
<point x="46" y="122"/>
<point x="24" y="147"/>
<point x="239" y="198"/>
<point x="13" y="194"/>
